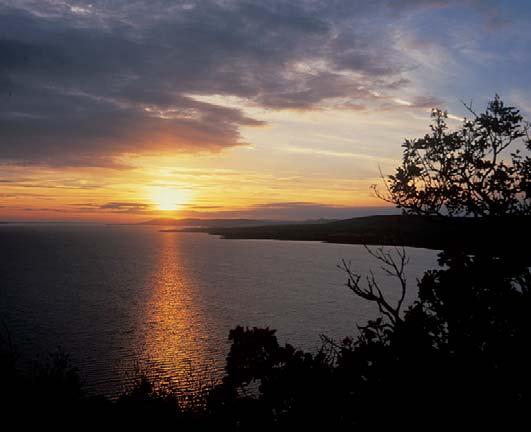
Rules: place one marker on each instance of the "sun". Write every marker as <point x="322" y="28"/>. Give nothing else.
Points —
<point x="169" y="199"/>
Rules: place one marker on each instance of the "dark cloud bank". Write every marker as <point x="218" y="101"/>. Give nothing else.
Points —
<point x="295" y="211"/>
<point x="82" y="82"/>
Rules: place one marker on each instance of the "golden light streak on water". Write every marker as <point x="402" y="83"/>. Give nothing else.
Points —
<point x="176" y="327"/>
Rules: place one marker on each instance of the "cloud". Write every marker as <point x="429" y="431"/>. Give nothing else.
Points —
<point x="82" y="83"/>
<point x="125" y="207"/>
<point x="292" y="211"/>
<point x="319" y="152"/>
<point x="43" y="209"/>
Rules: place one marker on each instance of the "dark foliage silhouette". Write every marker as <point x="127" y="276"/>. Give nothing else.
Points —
<point x="479" y="169"/>
<point x="52" y="395"/>
<point x="458" y="356"/>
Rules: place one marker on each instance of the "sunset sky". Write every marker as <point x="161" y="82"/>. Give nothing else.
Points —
<point x="124" y="110"/>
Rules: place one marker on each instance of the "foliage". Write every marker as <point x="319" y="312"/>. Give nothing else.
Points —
<point x="481" y="169"/>
<point x="460" y="353"/>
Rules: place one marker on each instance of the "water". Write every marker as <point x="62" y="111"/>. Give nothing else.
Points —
<point x="121" y="297"/>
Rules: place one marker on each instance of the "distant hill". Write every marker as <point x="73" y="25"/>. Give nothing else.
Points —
<point x="225" y="223"/>
<point x="415" y="231"/>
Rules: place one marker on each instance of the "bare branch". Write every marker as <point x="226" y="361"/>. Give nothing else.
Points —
<point x="370" y="290"/>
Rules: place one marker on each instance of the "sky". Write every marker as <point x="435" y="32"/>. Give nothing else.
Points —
<point x="125" y="110"/>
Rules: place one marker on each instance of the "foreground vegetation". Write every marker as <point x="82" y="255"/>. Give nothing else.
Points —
<point x="457" y="357"/>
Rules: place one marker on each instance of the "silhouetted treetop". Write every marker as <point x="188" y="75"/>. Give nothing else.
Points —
<point x="481" y="169"/>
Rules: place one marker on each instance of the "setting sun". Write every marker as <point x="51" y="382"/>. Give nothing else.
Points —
<point x="168" y="199"/>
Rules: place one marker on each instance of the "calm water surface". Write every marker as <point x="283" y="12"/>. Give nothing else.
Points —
<point x="121" y="297"/>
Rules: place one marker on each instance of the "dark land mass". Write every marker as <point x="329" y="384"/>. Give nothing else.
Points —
<point x="227" y="223"/>
<point x="407" y="230"/>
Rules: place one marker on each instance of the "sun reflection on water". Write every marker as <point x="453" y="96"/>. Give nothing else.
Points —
<point x="176" y="330"/>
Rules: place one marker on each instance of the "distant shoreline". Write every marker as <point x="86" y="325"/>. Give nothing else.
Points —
<point x="404" y="230"/>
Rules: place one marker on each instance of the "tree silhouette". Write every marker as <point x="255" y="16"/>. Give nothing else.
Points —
<point x="459" y="355"/>
<point x="481" y="169"/>
<point x="463" y="345"/>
